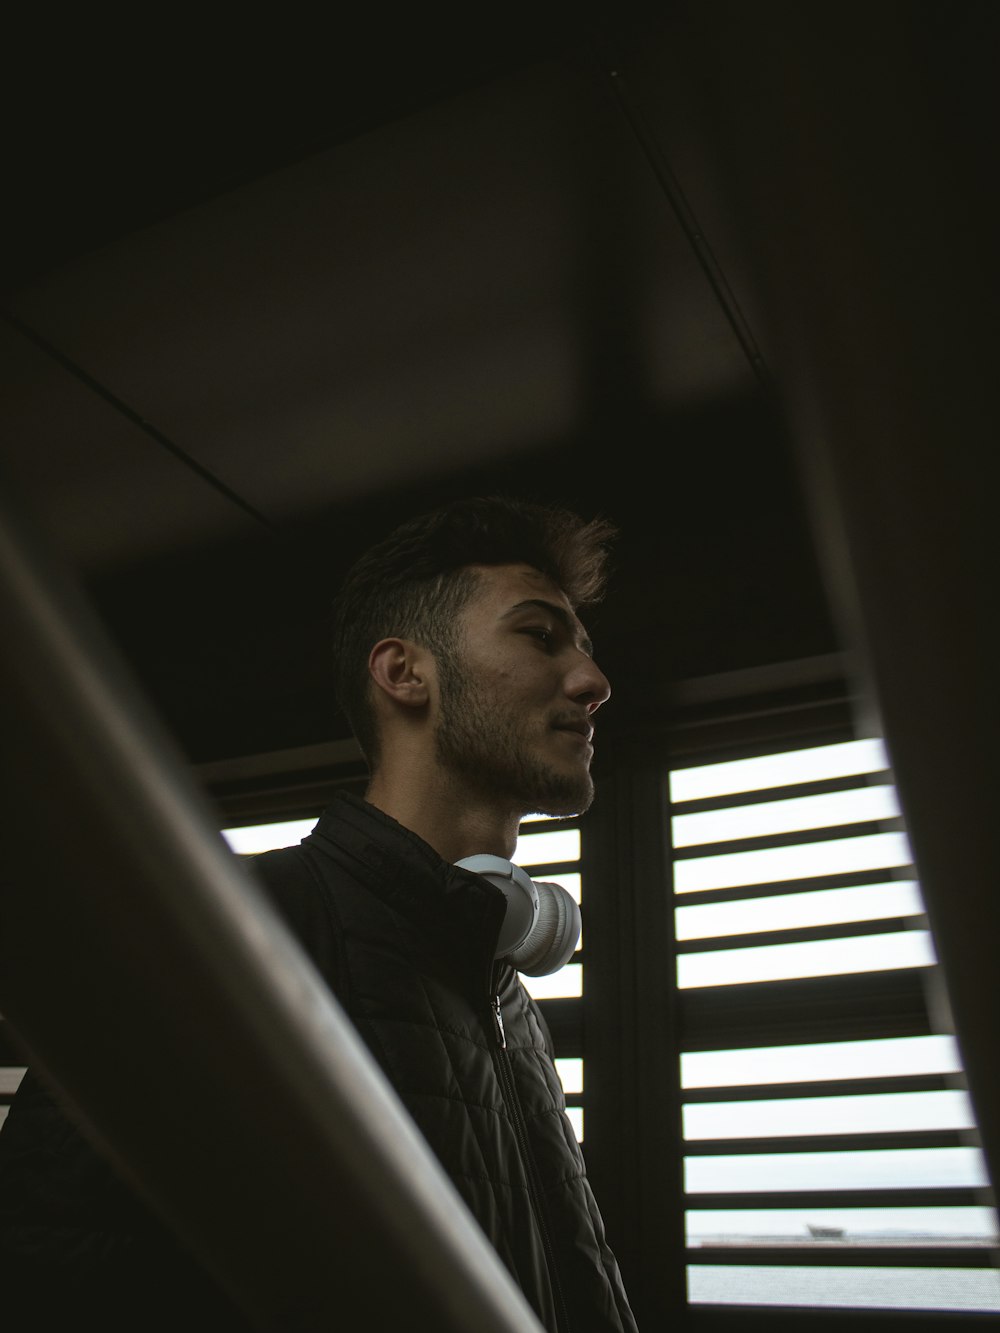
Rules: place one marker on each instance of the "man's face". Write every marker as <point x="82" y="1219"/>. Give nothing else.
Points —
<point x="517" y="702"/>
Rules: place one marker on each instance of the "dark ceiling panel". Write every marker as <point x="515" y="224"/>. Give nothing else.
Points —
<point x="119" y="121"/>
<point x="465" y="284"/>
<point x="93" y="480"/>
<point x="447" y="266"/>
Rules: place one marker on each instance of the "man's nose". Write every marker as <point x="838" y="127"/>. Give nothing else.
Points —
<point x="590" y="685"/>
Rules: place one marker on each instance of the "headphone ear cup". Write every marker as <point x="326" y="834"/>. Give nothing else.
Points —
<point x="542" y="924"/>
<point x="555" y="935"/>
<point x="518" y="888"/>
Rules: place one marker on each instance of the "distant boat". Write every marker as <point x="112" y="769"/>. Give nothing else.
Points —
<point x="826" y="1233"/>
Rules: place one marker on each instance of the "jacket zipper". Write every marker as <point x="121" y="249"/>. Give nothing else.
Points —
<point x="509" y="1090"/>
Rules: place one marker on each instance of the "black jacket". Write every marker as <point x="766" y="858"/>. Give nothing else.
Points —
<point x="407" y="944"/>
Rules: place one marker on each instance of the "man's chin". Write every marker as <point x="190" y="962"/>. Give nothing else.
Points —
<point x="558" y="791"/>
<point x="561" y="802"/>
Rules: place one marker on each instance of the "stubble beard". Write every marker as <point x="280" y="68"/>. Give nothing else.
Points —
<point x="487" y="753"/>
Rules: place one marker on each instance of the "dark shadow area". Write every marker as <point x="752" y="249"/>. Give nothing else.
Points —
<point x="714" y="571"/>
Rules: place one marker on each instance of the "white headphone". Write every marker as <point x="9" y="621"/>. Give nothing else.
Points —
<point x="542" y="927"/>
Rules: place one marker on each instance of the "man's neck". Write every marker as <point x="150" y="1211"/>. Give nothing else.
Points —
<point x="449" y="821"/>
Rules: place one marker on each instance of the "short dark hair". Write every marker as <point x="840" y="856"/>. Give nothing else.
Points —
<point x="414" y="583"/>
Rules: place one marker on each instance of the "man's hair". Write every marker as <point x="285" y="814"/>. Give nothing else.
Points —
<point x="414" y="583"/>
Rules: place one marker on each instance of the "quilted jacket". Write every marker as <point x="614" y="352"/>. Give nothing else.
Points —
<point x="406" y="942"/>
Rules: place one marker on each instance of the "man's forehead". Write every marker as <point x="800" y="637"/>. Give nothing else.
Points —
<point x="507" y="585"/>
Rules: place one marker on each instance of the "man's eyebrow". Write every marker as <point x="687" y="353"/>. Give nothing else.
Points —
<point x="569" y="623"/>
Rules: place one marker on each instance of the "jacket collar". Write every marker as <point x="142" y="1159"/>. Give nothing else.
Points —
<point x="456" y="914"/>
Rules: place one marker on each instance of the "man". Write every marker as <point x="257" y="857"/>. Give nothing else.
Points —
<point x="468" y="680"/>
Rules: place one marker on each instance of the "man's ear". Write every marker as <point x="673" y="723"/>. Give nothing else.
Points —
<point x="399" y="668"/>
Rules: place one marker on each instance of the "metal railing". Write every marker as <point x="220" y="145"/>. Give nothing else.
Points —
<point x="138" y="956"/>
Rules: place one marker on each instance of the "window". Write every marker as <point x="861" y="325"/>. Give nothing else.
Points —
<point x="829" y="1152"/>
<point x="550" y="850"/>
<point x="10" y="1079"/>
<point x="252" y="838"/>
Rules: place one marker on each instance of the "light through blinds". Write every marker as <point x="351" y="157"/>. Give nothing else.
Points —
<point x="843" y="1170"/>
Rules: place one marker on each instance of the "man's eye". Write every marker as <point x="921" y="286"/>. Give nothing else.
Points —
<point x="543" y="635"/>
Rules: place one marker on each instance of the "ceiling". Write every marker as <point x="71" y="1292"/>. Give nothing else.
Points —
<point x="267" y="292"/>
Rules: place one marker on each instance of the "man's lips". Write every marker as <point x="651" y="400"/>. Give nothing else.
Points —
<point x="581" y="727"/>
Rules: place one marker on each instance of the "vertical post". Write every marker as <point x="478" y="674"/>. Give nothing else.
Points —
<point x="857" y="142"/>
